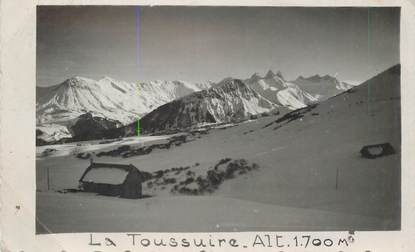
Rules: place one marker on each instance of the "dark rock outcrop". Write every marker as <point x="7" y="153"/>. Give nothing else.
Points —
<point x="89" y="127"/>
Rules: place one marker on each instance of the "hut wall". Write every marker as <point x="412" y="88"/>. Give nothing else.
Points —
<point x="132" y="188"/>
<point x="104" y="189"/>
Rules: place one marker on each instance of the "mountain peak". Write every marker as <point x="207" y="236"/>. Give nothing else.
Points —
<point x="76" y="81"/>
<point x="106" y="77"/>
<point x="329" y="77"/>
<point x="314" y="77"/>
<point x="255" y="76"/>
<point x="279" y="74"/>
<point x="270" y="74"/>
<point x="76" y="78"/>
<point x="318" y="78"/>
<point x="231" y="84"/>
<point x="225" y="81"/>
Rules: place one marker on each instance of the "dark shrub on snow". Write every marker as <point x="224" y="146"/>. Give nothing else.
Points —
<point x="225" y="169"/>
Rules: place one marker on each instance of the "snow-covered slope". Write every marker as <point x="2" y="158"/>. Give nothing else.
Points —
<point x="294" y="189"/>
<point x="322" y="87"/>
<point x="279" y="91"/>
<point x="107" y="98"/>
<point x="52" y="132"/>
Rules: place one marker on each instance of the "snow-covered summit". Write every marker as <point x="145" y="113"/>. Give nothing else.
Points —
<point x="275" y="88"/>
<point x="106" y="97"/>
<point x="230" y="99"/>
<point x="322" y="87"/>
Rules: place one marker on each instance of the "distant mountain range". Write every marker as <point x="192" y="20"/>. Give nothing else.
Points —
<point x="323" y="87"/>
<point x="229" y="100"/>
<point x="108" y="98"/>
<point x="164" y="105"/>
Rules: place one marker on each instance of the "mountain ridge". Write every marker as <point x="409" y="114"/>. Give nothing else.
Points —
<point x="106" y="97"/>
<point x="230" y="99"/>
<point x="323" y="87"/>
<point x="115" y="100"/>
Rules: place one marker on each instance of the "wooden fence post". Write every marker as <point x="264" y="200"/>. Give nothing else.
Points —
<point x="48" y="179"/>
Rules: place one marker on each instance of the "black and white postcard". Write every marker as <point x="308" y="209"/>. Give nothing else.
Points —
<point x="210" y="119"/>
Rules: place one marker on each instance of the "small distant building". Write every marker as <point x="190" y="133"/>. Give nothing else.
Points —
<point x="112" y="180"/>
<point x="377" y="150"/>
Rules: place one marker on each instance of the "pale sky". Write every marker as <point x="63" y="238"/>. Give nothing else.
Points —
<point x="210" y="43"/>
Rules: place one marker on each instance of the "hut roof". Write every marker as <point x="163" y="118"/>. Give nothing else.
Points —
<point x="377" y="150"/>
<point x="106" y="173"/>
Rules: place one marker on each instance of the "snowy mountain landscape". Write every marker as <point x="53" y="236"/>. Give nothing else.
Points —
<point x="324" y="86"/>
<point x="59" y="107"/>
<point x="257" y="154"/>
<point x="108" y="98"/>
<point x="281" y="92"/>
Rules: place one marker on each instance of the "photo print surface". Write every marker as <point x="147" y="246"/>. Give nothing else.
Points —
<point x="217" y="119"/>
